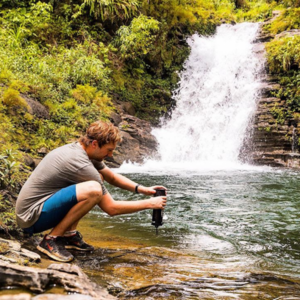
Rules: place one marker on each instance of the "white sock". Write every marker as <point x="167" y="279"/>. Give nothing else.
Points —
<point x="49" y="236"/>
<point x="70" y="233"/>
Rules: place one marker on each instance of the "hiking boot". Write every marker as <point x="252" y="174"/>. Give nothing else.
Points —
<point x="76" y="242"/>
<point x="54" y="248"/>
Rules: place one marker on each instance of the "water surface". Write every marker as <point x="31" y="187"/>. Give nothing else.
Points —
<point x="238" y="230"/>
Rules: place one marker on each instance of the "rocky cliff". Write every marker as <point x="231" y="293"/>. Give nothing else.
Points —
<point x="137" y="141"/>
<point x="272" y="138"/>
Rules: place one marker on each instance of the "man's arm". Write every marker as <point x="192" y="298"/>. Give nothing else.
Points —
<point x="125" y="183"/>
<point x="113" y="208"/>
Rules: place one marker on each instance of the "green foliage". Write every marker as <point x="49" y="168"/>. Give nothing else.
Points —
<point x="290" y="91"/>
<point x="289" y="19"/>
<point x="75" y="57"/>
<point x="111" y="9"/>
<point x="8" y="170"/>
<point x="283" y="54"/>
<point x="255" y="11"/>
<point x="7" y="213"/>
<point x="25" y="25"/>
<point x="136" y="40"/>
<point x="291" y="3"/>
<point x="183" y="13"/>
<point x="13" y="102"/>
<point x="7" y="217"/>
<point x="279" y="114"/>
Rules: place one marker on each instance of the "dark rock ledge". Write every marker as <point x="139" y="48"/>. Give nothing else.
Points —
<point x="137" y="141"/>
<point x="269" y="141"/>
<point x="13" y="273"/>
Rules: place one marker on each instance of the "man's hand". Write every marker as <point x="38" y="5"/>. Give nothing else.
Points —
<point x="150" y="190"/>
<point x="158" y="202"/>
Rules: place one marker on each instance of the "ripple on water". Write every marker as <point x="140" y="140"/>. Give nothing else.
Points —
<point x="233" y="223"/>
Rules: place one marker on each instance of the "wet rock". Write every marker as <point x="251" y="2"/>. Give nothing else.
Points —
<point x="32" y="256"/>
<point x="8" y="259"/>
<point x="14" y="253"/>
<point x="11" y="245"/>
<point x="31" y="162"/>
<point x="115" y="118"/>
<point x="28" y="160"/>
<point x="22" y="296"/>
<point x="43" y="151"/>
<point x="62" y="297"/>
<point x="70" y="277"/>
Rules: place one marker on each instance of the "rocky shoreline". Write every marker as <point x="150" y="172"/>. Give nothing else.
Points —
<point x="21" y="268"/>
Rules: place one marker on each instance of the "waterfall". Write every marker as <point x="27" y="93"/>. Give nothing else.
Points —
<point x="216" y="97"/>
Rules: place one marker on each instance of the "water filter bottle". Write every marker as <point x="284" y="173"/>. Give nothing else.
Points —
<point x="157" y="215"/>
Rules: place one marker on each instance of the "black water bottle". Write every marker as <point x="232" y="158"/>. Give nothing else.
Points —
<point x="157" y="215"/>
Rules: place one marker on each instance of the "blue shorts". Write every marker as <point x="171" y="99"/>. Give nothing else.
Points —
<point x="54" y="210"/>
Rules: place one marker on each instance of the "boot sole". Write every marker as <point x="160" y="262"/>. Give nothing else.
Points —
<point x="53" y="256"/>
<point x="79" y="249"/>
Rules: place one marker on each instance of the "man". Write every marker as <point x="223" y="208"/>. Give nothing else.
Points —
<point x="68" y="183"/>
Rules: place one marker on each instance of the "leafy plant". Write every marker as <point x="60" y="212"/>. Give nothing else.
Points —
<point x="7" y="217"/>
<point x="13" y="102"/>
<point x="279" y="114"/>
<point x="137" y="39"/>
<point x="111" y="9"/>
<point x="283" y="54"/>
<point x="255" y="11"/>
<point x="7" y="167"/>
<point x="288" y="19"/>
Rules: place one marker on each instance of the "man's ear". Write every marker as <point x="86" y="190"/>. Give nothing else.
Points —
<point x="94" y="144"/>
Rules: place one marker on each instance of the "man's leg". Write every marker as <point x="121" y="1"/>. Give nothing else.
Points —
<point x="88" y="194"/>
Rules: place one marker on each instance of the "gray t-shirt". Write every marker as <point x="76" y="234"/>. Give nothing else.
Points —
<point x="62" y="167"/>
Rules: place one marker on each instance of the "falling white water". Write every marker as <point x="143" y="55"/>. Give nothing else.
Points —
<point x="216" y="98"/>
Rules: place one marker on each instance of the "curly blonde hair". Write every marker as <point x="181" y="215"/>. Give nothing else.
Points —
<point x="102" y="132"/>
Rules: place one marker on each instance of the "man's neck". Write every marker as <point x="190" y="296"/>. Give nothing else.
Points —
<point x="85" y="148"/>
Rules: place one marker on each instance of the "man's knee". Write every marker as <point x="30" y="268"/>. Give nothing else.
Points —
<point x="94" y="189"/>
<point x="89" y="190"/>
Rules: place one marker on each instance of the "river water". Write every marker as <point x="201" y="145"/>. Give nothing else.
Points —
<point x="235" y="233"/>
<point x="231" y="230"/>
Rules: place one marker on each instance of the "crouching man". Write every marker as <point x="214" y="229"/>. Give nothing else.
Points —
<point x="68" y="183"/>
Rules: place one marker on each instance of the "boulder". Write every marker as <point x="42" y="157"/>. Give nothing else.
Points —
<point x="128" y="108"/>
<point x="36" y="108"/>
<point x="37" y="280"/>
<point x="137" y="144"/>
<point x="13" y="252"/>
